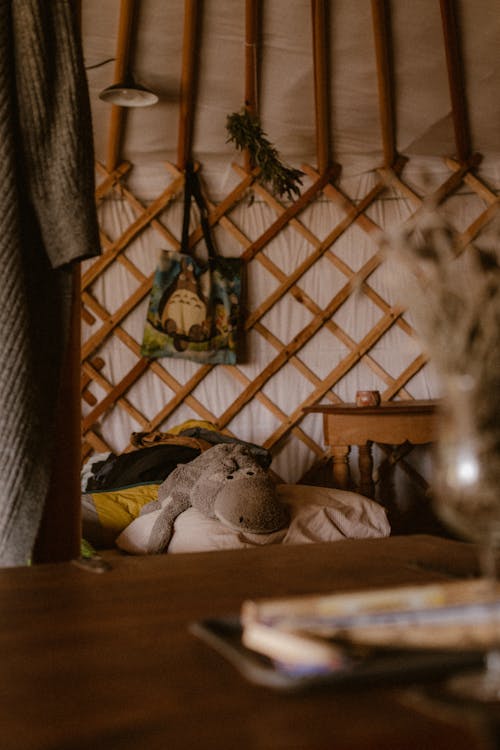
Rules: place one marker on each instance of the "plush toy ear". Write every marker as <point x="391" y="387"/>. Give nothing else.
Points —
<point x="251" y="504"/>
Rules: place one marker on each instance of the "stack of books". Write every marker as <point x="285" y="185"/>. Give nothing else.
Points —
<point x="322" y="632"/>
<point x="391" y="634"/>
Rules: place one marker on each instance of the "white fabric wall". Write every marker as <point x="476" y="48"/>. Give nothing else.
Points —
<point x="288" y="388"/>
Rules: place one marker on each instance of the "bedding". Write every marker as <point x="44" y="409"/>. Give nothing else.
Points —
<point x="144" y="465"/>
<point x="203" y="432"/>
<point x="116" y="489"/>
<point x="317" y="514"/>
<point x="105" y="514"/>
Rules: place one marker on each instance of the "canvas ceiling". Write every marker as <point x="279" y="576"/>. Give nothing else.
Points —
<point x="286" y="80"/>
<point x="305" y="348"/>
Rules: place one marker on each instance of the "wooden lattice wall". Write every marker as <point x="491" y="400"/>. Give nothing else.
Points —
<point x="322" y="184"/>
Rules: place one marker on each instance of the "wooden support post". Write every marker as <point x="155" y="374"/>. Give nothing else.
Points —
<point x="59" y="534"/>
<point x="188" y="83"/>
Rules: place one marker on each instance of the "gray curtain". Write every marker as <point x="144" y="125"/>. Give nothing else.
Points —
<point x="47" y="222"/>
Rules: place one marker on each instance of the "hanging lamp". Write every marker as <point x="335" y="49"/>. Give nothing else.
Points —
<point x="128" y="93"/>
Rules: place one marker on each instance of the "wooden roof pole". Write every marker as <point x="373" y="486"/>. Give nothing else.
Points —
<point x="188" y="83"/>
<point x="321" y="99"/>
<point x="383" y="55"/>
<point x="455" y="79"/>
<point x="252" y="20"/>
<point x="122" y="64"/>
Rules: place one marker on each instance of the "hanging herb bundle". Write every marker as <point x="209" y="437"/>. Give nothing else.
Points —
<point x="246" y="132"/>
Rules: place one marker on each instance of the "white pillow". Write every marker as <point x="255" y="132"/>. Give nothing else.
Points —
<point x="317" y="514"/>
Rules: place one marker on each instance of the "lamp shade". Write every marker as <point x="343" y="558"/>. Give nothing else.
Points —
<point x="128" y="94"/>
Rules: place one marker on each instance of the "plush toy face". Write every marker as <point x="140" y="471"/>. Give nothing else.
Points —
<point x="250" y="503"/>
<point x="240" y="496"/>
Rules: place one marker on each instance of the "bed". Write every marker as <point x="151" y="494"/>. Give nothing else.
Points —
<point x="117" y="491"/>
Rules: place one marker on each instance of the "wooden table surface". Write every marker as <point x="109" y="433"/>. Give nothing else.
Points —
<point x="105" y="661"/>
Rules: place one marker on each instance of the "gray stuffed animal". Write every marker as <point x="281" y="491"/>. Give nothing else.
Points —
<point x="224" y="482"/>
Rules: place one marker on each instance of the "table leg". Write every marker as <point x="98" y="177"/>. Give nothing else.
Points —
<point x="341" y="475"/>
<point x="365" y="461"/>
<point x="386" y="474"/>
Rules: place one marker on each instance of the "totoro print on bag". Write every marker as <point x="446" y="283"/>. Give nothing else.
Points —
<point x="194" y="307"/>
<point x="183" y="308"/>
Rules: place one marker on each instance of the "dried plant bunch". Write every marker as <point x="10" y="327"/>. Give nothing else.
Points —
<point x="246" y="132"/>
<point x="454" y="297"/>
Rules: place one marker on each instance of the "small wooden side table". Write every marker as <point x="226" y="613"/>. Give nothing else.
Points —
<point x="392" y="422"/>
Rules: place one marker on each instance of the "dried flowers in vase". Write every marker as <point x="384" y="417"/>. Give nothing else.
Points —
<point x="454" y="298"/>
<point x="456" y="303"/>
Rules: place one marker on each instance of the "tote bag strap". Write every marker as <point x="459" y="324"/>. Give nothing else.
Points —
<point x="188" y="192"/>
<point x="192" y="189"/>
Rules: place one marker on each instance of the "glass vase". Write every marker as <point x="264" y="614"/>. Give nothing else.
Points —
<point x="467" y="499"/>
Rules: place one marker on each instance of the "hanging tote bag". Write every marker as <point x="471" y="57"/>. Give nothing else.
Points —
<point x="194" y="308"/>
